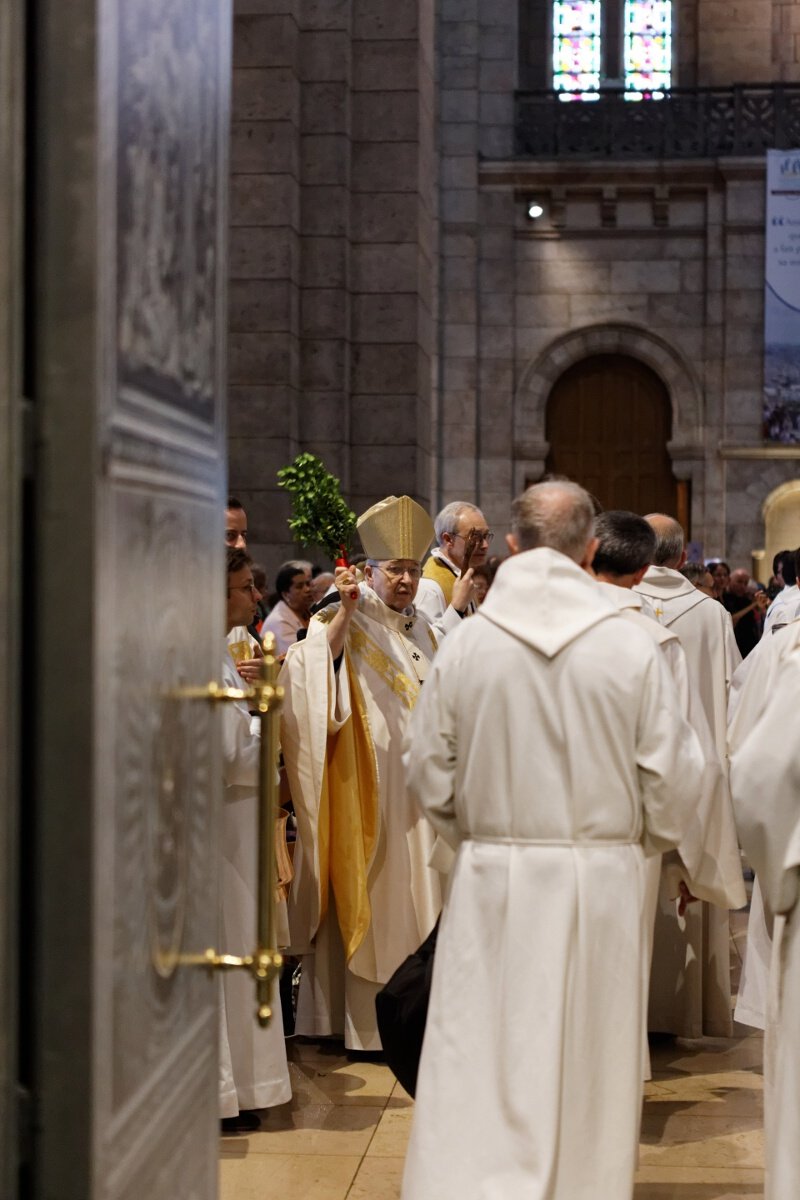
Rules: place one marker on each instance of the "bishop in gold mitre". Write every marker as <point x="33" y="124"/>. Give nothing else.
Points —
<point x="364" y="896"/>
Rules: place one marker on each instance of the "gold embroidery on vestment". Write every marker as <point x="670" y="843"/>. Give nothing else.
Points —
<point x="404" y="688"/>
<point x="240" y="650"/>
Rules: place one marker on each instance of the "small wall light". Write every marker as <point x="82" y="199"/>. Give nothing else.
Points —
<point x="534" y="210"/>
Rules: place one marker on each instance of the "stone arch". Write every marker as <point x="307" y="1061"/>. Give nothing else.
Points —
<point x="780" y="495"/>
<point x="781" y="513"/>
<point x="538" y="378"/>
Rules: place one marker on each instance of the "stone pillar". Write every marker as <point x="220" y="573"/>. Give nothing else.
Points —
<point x="478" y="74"/>
<point x="333" y="246"/>
<point x="323" y="416"/>
<point x="459" y="38"/>
<point x="393" y="185"/>
<point x="497" y="75"/>
<point x="264" y="349"/>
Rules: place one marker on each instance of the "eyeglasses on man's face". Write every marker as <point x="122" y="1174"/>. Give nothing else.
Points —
<point x="244" y="587"/>
<point x="480" y="535"/>
<point x="395" y="573"/>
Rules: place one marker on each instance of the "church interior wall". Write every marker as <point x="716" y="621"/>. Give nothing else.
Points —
<point x="387" y="293"/>
<point x="675" y="249"/>
<point x="333" y="251"/>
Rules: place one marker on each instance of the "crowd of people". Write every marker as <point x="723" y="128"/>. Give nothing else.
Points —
<point x="557" y="754"/>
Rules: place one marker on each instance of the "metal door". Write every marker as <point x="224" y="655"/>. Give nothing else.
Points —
<point x="125" y="271"/>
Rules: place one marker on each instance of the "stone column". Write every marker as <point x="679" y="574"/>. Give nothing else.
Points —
<point x="478" y="74"/>
<point x="333" y="247"/>
<point x="393" y="247"/>
<point x="323" y="416"/>
<point x="264" y="257"/>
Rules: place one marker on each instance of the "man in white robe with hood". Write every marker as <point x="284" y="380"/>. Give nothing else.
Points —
<point x="759" y="678"/>
<point x="627" y="544"/>
<point x="626" y="547"/>
<point x="547" y="747"/>
<point x="364" y="894"/>
<point x="706" y="633"/>
<point x="765" y="780"/>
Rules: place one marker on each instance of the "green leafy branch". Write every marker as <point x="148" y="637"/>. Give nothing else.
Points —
<point x="320" y="516"/>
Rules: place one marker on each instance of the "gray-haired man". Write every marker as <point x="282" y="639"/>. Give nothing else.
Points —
<point x="453" y="527"/>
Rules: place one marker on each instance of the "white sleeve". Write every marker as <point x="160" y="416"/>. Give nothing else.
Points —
<point x="429" y="600"/>
<point x="240" y="744"/>
<point x="670" y="765"/>
<point x="765" y="782"/>
<point x="429" y="754"/>
<point x="447" y="622"/>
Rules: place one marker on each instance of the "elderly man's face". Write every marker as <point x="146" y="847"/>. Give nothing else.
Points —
<point x="454" y="544"/>
<point x="739" y="582"/>
<point x="394" y="581"/>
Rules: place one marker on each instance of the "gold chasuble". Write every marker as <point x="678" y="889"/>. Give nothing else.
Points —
<point x="440" y="573"/>
<point x="352" y="817"/>
<point x="363" y="845"/>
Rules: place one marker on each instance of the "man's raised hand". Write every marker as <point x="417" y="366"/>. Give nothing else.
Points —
<point x="347" y="586"/>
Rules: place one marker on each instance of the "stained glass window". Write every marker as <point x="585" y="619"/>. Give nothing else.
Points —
<point x="580" y="61"/>
<point x="576" y="47"/>
<point x="647" y="48"/>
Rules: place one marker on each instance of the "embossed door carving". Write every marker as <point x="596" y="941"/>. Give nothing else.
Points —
<point x="127" y="340"/>
<point x="608" y="423"/>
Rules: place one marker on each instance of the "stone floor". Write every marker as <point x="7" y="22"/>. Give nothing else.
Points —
<point x="344" y="1133"/>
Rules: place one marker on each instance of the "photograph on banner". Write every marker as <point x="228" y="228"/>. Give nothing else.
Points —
<point x="782" y="299"/>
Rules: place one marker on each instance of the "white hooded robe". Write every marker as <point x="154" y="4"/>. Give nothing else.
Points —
<point x="765" y="779"/>
<point x="548" y="747"/>
<point x="675" y="990"/>
<point x="759" y="678"/>
<point x="702" y="951"/>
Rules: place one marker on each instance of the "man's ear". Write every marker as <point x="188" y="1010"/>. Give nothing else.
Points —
<point x="639" y="575"/>
<point x="589" y="553"/>
<point x="512" y="543"/>
<point x="684" y="557"/>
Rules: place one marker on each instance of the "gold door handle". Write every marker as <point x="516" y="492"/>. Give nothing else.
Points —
<point x="265" y="963"/>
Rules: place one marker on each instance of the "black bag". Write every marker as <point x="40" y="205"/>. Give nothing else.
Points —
<point x="402" y="1009"/>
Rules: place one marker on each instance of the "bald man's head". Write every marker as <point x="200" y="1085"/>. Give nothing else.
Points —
<point x="558" y="515"/>
<point x="670" y="541"/>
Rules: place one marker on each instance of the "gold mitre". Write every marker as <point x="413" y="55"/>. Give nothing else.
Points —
<point x="396" y="527"/>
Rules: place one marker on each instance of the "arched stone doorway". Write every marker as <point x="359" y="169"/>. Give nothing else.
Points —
<point x="781" y="511"/>
<point x="686" y="450"/>
<point x="608" y="425"/>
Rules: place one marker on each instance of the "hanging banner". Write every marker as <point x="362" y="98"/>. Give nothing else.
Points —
<point x="782" y="299"/>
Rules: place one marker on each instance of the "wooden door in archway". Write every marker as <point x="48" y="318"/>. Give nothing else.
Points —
<point x="609" y="420"/>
